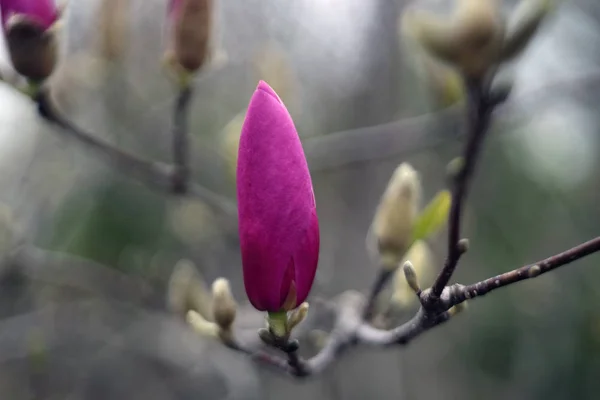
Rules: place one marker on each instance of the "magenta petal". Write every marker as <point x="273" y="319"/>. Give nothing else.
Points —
<point x="277" y="214"/>
<point x="43" y="12"/>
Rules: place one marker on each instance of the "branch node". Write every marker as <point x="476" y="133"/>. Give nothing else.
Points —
<point x="534" y="271"/>
<point x="463" y="245"/>
<point x="411" y="277"/>
<point x="455" y="168"/>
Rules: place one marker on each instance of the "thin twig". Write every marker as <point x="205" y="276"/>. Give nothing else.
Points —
<point x="529" y="271"/>
<point x="478" y="115"/>
<point x="155" y="174"/>
<point x="381" y="281"/>
<point x="181" y="148"/>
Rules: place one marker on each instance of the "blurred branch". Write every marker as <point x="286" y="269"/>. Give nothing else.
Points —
<point x="167" y="178"/>
<point x="351" y="330"/>
<point x="479" y="111"/>
<point x="181" y="141"/>
<point x="69" y="271"/>
<point x="416" y="134"/>
<point x="529" y="271"/>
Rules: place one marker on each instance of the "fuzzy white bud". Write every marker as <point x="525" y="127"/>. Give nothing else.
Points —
<point x="396" y="214"/>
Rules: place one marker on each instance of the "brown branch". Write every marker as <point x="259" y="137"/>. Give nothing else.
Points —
<point x="162" y="176"/>
<point x="383" y="277"/>
<point x="478" y="116"/>
<point x="181" y="145"/>
<point x="529" y="271"/>
<point x="351" y="330"/>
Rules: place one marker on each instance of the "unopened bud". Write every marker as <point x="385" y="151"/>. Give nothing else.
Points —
<point x="417" y="266"/>
<point x="191" y="25"/>
<point x="463" y="245"/>
<point x="297" y="316"/>
<point x="30" y="37"/>
<point x="522" y="25"/>
<point x="396" y="214"/>
<point x="457" y="309"/>
<point x="411" y="277"/>
<point x="202" y="326"/>
<point x="187" y="291"/>
<point x="224" y="306"/>
<point x="455" y="167"/>
<point x="470" y="39"/>
<point x="534" y="271"/>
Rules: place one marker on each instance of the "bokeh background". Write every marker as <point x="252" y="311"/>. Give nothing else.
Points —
<point x="94" y="325"/>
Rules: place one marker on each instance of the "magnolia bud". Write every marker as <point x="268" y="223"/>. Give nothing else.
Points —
<point x="411" y="277"/>
<point x="463" y="245"/>
<point x="457" y="309"/>
<point x="191" y="25"/>
<point x="523" y="23"/>
<point x="417" y="263"/>
<point x="470" y="40"/>
<point x="224" y="306"/>
<point x="396" y="214"/>
<point x="31" y="41"/>
<point x="202" y="326"/>
<point x="187" y="291"/>
<point x="297" y="316"/>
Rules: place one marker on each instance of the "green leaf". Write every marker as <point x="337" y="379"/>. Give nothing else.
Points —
<point x="433" y="217"/>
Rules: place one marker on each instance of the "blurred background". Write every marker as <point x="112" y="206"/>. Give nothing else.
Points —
<point x="93" y="325"/>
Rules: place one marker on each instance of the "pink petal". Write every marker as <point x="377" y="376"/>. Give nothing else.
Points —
<point x="276" y="203"/>
<point x="43" y="12"/>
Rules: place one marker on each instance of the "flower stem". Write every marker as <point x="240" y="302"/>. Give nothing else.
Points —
<point x="278" y="323"/>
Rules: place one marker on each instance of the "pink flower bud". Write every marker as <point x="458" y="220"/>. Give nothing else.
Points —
<point x="278" y="224"/>
<point x="31" y="43"/>
<point x="190" y="24"/>
<point x="41" y="12"/>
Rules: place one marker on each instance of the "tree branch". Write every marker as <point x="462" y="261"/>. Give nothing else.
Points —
<point x="478" y="116"/>
<point x="181" y="141"/>
<point x="165" y="177"/>
<point x="351" y="330"/>
<point x="529" y="271"/>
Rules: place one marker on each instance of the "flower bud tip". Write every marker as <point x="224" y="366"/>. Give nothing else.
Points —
<point x="411" y="277"/>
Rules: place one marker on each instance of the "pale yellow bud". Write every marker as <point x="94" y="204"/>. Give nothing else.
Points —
<point x="297" y="316"/>
<point x="411" y="277"/>
<point x="522" y="25"/>
<point x="187" y="291"/>
<point x="394" y="218"/>
<point x="470" y="39"/>
<point x="457" y="309"/>
<point x="421" y="261"/>
<point x="202" y="326"/>
<point x="224" y="306"/>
